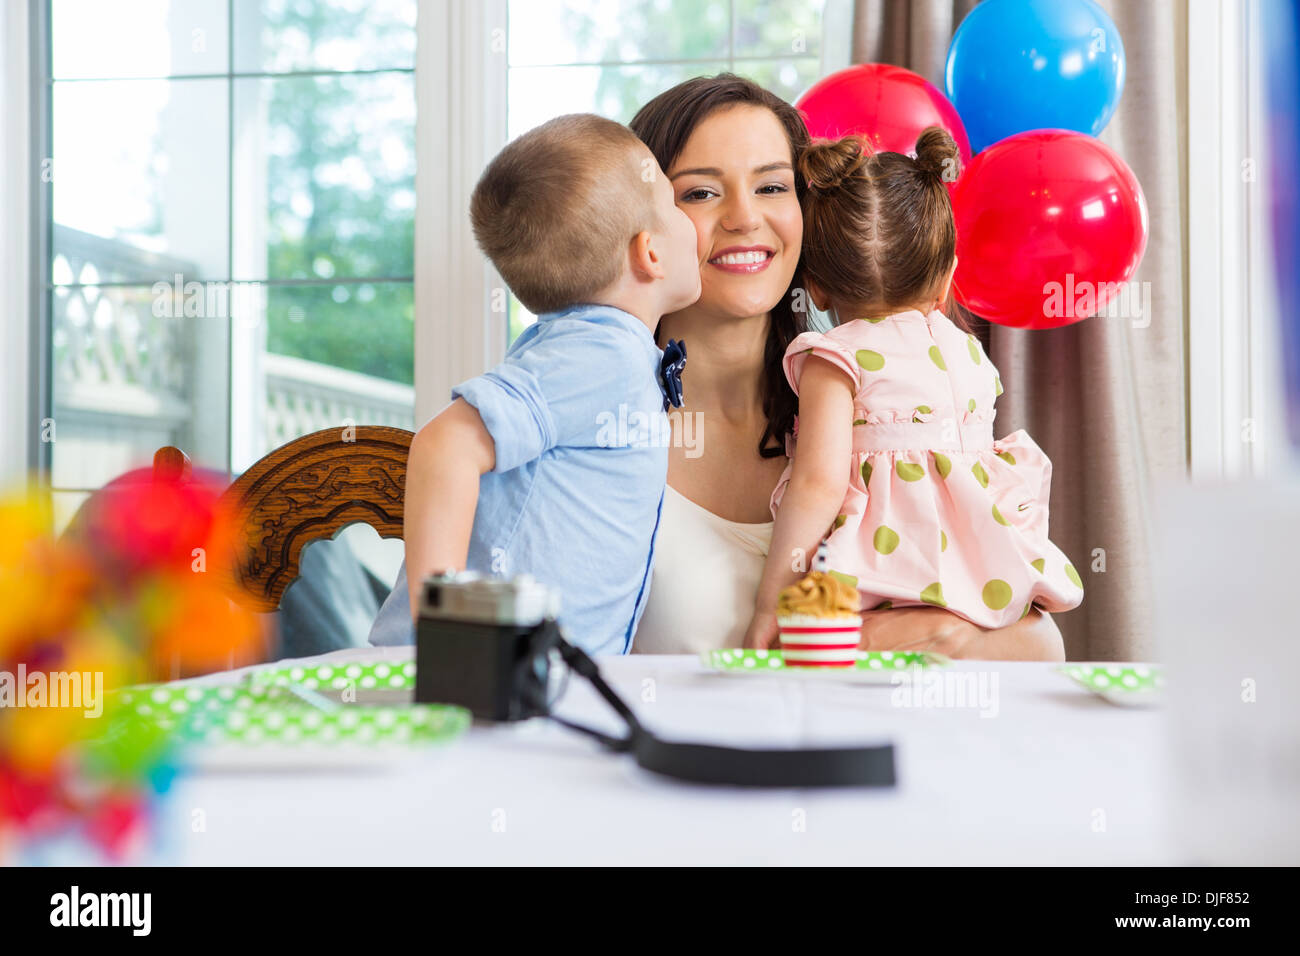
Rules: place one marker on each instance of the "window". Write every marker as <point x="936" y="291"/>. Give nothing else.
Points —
<point x="612" y="56"/>
<point x="232" y="201"/>
<point x="232" y="197"/>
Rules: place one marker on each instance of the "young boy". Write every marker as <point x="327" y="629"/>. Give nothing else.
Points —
<point x="519" y="475"/>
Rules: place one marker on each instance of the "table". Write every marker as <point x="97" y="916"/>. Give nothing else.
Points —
<point x="1052" y="775"/>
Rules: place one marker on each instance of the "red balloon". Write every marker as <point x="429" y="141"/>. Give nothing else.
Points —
<point x="886" y="105"/>
<point x="138" y="523"/>
<point x="1050" y="226"/>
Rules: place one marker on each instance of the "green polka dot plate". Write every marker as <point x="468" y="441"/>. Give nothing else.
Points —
<point x="1127" y="685"/>
<point x="286" y="714"/>
<point x="871" y="667"/>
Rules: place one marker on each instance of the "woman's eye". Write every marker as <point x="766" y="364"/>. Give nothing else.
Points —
<point x="774" y="188"/>
<point x="695" y="195"/>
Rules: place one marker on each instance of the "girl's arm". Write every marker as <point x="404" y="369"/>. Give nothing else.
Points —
<point x="448" y="456"/>
<point x="813" y="498"/>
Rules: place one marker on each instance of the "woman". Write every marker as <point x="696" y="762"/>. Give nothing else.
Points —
<point x="729" y="147"/>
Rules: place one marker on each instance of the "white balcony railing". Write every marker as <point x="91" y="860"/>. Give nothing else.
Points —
<point x="304" y="397"/>
<point x="127" y="381"/>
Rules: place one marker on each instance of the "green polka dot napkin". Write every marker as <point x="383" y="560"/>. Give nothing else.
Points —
<point x="261" y="709"/>
<point x="366" y="675"/>
<point x="1125" y="684"/>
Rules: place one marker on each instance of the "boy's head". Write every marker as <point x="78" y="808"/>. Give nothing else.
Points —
<point x="559" y="210"/>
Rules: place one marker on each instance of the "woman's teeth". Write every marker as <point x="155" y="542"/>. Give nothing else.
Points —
<point x="740" y="258"/>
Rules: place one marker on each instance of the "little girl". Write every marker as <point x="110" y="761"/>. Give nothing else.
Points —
<point x="896" y="467"/>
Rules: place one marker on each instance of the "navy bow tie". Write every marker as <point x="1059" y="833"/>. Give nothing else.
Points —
<point x="670" y="372"/>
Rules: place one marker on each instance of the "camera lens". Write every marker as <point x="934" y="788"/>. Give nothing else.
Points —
<point x="541" y="667"/>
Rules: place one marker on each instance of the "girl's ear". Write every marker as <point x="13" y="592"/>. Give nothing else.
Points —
<point x="947" y="282"/>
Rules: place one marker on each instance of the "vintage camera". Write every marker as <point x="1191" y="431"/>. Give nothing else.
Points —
<point x="484" y="643"/>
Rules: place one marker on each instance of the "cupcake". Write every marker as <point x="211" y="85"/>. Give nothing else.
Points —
<point x="819" y="622"/>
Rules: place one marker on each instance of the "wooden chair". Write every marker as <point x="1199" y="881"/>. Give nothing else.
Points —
<point x="301" y="492"/>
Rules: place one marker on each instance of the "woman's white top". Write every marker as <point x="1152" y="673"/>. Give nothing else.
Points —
<point x="706" y="575"/>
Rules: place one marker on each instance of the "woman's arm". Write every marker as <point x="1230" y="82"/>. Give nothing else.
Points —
<point x="1034" y="637"/>
<point x="816" y="490"/>
<point x="448" y="456"/>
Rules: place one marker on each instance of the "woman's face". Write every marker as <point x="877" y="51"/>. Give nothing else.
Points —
<point x="735" y="181"/>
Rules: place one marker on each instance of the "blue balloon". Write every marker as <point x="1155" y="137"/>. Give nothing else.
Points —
<point x="1017" y="65"/>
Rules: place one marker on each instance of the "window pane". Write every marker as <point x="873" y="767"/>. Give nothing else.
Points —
<point x="364" y="327"/>
<point x="541" y="93"/>
<point x="143" y="163"/>
<point x="788" y="79"/>
<point x="98" y="39"/>
<point x="517" y="319"/>
<point x="280" y="36"/>
<point x="590" y="31"/>
<point x="132" y="373"/>
<point x="325" y="176"/>
<point x="781" y="28"/>
<point x="336" y="355"/>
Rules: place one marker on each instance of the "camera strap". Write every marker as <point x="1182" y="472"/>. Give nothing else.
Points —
<point x="735" y="766"/>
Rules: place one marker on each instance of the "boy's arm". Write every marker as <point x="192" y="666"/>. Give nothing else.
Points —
<point x="448" y="456"/>
<point x="817" y="482"/>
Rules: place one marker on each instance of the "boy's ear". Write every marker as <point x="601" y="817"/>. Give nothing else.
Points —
<point x="644" y="257"/>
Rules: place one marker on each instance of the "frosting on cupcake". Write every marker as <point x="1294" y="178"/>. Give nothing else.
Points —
<point x="819" y="594"/>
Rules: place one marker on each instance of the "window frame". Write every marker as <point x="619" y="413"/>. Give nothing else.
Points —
<point x="460" y="123"/>
<point x="238" y="434"/>
<point x="1234" y="390"/>
<point x="461" y="90"/>
<point x="24" y="387"/>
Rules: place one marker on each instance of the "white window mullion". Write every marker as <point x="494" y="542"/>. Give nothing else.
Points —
<point x="1207" y="380"/>
<point x="460" y="95"/>
<point x="16" y="370"/>
<point x="1234" y="390"/>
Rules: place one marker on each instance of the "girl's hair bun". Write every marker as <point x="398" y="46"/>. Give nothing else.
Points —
<point x="937" y="154"/>
<point x="826" y="164"/>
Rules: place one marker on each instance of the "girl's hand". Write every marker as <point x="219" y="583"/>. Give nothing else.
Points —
<point x="762" y="631"/>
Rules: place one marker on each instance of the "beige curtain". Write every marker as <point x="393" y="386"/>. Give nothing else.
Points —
<point x="1105" y="398"/>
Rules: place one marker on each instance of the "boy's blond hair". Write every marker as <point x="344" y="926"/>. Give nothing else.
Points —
<point x="556" y="209"/>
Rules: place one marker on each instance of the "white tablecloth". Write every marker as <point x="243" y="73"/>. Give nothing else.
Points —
<point x="1054" y="776"/>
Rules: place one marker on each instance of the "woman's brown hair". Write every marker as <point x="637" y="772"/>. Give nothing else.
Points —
<point x="878" y="230"/>
<point x="664" y="125"/>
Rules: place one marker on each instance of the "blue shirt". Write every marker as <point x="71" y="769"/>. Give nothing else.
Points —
<point x="576" y="413"/>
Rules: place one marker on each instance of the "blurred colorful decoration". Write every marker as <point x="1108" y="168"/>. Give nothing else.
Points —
<point x="132" y="592"/>
<point x="887" y="106"/>
<point x="1017" y="65"/>
<point x="1281" y="36"/>
<point x="1051" y="225"/>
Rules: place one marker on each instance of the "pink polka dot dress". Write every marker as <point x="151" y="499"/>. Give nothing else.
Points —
<point x="936" y="512"/>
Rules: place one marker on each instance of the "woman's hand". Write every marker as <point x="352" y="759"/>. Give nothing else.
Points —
<point x="762" y="631"/>
<point x="1034" y="637"/>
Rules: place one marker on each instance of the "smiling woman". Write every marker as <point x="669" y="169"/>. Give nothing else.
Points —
<point x="731" y="149"/>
